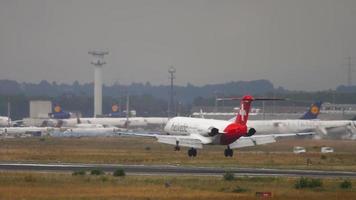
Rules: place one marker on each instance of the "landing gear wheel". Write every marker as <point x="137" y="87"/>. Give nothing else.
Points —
<point x="228" y="152"/>
<point x="231" y="153"/>
<point x="177" y="147"/>
<point x="192" y="152"/>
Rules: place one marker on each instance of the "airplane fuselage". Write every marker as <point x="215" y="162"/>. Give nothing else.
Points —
<point x="203" y="127"/>
<point x="225" y="131"/>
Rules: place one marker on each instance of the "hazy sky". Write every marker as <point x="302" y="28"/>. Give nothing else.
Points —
<point x="297" y="44"/>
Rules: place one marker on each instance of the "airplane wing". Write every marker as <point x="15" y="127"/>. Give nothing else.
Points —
<point x="185" y="141"/>
<point x="181" y="140"/>
<point x="262" y="139"/>
<point x="197" y="141"/>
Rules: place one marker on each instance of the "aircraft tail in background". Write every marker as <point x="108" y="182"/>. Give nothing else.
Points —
<point x="116" y="112"/>
<point x="58" y="113"/>
<point x="313" y="111"/>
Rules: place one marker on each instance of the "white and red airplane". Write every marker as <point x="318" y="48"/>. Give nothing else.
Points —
<point x="196" y="132"/>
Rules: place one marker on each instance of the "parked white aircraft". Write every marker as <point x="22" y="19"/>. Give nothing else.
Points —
<point x="196" y="132"/>
<point x="79" y="129"/>
<point x="117" y="122"/>
<point x="61" y="118"/>
<point x="85" y="132"/>
<point x="24" y="131"/>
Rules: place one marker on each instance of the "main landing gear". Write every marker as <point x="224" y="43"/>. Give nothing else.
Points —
<point x="228" y="152"/>
<point x="192" y="152"/>
<point x="177" y="147"/>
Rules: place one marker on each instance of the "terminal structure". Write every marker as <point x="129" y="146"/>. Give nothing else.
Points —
<point x="98" y="63"/>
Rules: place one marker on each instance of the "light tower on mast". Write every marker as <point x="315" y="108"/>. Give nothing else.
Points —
<point x="171" y="110"/>
<point x="98" y="63"/>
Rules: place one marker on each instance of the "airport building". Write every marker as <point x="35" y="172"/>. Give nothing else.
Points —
<point x="40" y="109"/>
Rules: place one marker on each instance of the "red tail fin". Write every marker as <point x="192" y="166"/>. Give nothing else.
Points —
<point x="245" y="106"/>
<point x="242" y="116"/>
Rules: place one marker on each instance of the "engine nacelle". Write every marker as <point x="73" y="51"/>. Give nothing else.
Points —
<point x="251" y="132"/>
<point x="351" y="128"/>
<point x="213" y="132"/>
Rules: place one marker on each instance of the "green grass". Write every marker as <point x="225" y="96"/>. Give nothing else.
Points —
<point x="29" y="186"/>
<point x="124" y="150"/>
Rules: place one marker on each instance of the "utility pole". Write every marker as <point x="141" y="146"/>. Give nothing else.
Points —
<point x="216" y="101"/>
<point x="349" y="71"/>
<point x="8" y="112"/>
<point x="171" y="71"/>
<point x="264" y="111"/>
<point x="127" y="110"/>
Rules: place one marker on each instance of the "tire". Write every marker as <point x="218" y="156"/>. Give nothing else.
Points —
<point x="226" y="153"/>
<point x="194" y="153"/>
<point x="190" y="153"/>
<point x="231" y="152"/>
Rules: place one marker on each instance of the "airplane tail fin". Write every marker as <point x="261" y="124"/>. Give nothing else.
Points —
<point x="313" y="111"/>
<point x="58" y="113"/>
<point x="115" y="111"/>
<point x="245" y="106"/>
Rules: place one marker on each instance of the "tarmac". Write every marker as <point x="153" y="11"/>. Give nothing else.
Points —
<point x="164" y="170"/>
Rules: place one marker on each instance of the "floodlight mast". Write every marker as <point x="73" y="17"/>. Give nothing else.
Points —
<point x="98" y="63"/>
<point x="171" y="106"/>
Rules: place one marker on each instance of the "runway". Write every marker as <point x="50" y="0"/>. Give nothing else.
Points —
<point x="174" y="170"/>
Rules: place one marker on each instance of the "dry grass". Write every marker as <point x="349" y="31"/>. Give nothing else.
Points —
<point x="126" y="150"/>
<point x="65" y="186"/>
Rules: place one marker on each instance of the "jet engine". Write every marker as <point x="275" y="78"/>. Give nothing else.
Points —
<point x="351" y="128"/>
<point x="251" y="132"/>
<point x="213" y="131"/>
